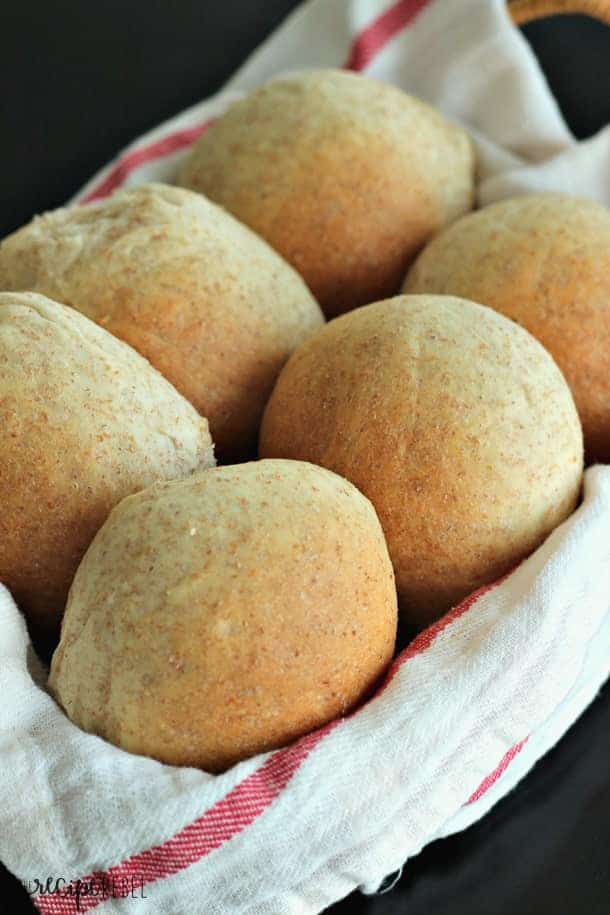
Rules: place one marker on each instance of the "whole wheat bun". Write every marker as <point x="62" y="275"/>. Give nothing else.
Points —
<point x="85" y="421"/>
<point x="345" y="176"/>
<point x="544" y="261"/>
<point x="212" y="306"/>
<point x="455" y="423"/>
<point x="225" y="615"/>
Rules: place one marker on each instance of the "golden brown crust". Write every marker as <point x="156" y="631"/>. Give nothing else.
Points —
<point x="227" y="614"/>
<point x="207" y="302"/>
<point x="85" y="421"/>
<point x="544" y="261"/>
<point x="346" y="177"/>
<point x="455" y="423"/>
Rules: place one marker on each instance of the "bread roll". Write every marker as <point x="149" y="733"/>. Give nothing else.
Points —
<point x="207" y="302"/>
<point x="544" y="261"/>
<point x="85" y="421"/>
<point x="225" y="615"/>
<point x="455" y="423"/>
<point x="346" y="177"/>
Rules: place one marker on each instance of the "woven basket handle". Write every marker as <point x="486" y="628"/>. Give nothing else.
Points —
<point x="523" y="11"/>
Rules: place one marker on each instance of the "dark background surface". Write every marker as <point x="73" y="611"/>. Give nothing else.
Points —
<point x="78" y="81"/>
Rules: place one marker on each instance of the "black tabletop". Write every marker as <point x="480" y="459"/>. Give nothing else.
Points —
<point x="80" y="80"/>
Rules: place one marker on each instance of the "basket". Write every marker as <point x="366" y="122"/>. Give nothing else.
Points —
<point x="524" y="11"/>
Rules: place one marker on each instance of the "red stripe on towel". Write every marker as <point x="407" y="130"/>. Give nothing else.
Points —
<point x="119" y="173"/>
<point x="500" y="769"/>
<point x="381" y="30"/>
<point x="226" y="819"/>
<point x="426" y="638"/>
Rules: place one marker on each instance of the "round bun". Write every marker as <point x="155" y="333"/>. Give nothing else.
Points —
<point x="346" y="177"/>
<point x="455" y="423"/>
<point x="210" y="304"/>
<point x="225" y="615"/>
<point x="544" y="261"/>
<point x="85" y="421"/>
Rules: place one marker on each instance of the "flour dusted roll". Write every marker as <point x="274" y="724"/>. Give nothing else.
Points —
<point x="345" y="176"/>
<point x="203" y="298"/>
<point x="456" y="424"/>
<point x="84" y="421"/>
<point x="544" y="261"/>
<point x="227" y="614"/>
